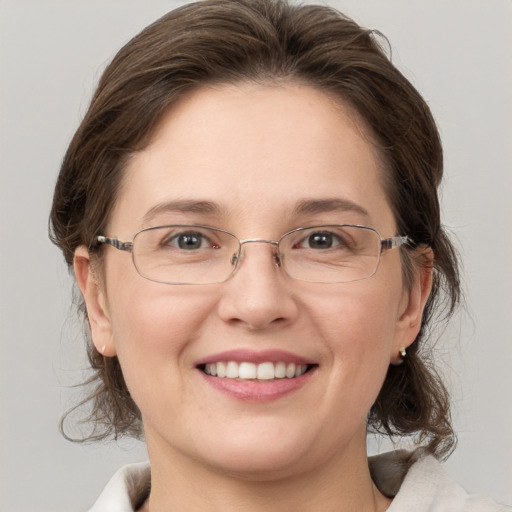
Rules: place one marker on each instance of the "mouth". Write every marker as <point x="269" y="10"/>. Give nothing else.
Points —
<point x="249" y="371"/>
<point x="257" y="376"/>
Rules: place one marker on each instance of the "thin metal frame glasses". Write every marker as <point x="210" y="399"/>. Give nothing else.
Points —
<point x="200" y="254"/>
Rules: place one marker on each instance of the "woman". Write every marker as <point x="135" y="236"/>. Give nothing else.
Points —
<point x="274" y="178"/>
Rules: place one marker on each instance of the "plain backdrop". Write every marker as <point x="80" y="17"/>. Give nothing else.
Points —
<point x="458" y="53"/>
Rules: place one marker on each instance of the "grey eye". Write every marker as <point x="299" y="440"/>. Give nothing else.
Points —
<point x="189" y="241"/>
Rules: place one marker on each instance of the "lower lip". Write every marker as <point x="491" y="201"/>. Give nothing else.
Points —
<point x="258" y="390"/>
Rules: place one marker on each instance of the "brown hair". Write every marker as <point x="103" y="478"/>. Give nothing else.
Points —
<point x="229" y="41"/>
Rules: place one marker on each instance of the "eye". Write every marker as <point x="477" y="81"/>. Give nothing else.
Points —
<point x="190" y="241"/>
<point x="320" y="240"/>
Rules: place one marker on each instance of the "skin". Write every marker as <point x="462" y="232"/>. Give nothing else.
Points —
<point x="254" y="151"/>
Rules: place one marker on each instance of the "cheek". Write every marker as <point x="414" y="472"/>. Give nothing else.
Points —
<point x="152" y="327"/>
<point x="354" y="330"/>
<point x="152" y="315"/>
<point x="365" y="316"/>
<point x="357" y="327"/>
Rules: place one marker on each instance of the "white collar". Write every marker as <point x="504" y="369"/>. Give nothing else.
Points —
<point x="415" y="480"/>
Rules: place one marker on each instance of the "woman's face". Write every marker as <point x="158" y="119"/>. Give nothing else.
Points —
<point x="256" y="161"/>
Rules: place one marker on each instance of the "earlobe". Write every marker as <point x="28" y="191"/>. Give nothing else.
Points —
<point x="411" y="314"/>
<point x="95" y="301"/>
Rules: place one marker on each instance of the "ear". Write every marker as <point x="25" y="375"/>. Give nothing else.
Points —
<point x="95" y="301"/>
<point x="413" y="304"/>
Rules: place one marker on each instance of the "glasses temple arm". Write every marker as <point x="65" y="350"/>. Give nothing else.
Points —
<point x="114" y="242"/>
<point x="396" y="241"/>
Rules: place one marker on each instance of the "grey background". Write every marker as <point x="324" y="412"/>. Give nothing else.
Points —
<point x="458" y="53"/>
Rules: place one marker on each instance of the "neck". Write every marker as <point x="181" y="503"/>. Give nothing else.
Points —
<point x="341" y="484"/>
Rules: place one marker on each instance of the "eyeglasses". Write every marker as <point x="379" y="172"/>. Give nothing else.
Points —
<point x="196" y="254"/>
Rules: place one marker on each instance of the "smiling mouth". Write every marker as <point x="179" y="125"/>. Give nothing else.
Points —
<point x="250" y="371"/>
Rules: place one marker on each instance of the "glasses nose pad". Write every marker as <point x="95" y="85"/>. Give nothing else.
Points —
<point x="237" y="256"/>
<point x="278" y="259"/>
<point x="235" y="259"/>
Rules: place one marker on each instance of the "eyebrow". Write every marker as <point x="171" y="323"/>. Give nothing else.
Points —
<point x="182" y="206"/>
<point x="302" y="207"/>
<point x="315" y="206"/>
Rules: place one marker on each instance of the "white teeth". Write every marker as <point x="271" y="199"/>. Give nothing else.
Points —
<point x="280" y="371"/>
<point x="301" y="368"/>
<point x="247" y="371"/>
<point x="290" y="371"/>
<point x="265" y="371"/>
<point x="221" y="369"/>
<point x="232" y="370"/>
<point x="211" y="369"/>
<point x="250" y="371"/>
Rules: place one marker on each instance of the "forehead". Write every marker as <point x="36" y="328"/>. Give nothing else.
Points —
<point x="254" y="152"/>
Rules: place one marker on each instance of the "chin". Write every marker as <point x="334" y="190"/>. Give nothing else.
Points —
<point x="264" y="458"/>
<point x="260" y="467"/>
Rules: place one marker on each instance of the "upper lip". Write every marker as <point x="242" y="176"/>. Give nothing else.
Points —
<point x="255" y="356"/>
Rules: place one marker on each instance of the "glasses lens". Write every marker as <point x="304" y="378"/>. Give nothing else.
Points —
<point x="330" y="254"/>
<point x="184" y="254"/>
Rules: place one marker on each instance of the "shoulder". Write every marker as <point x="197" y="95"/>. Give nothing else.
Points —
<point x="417" y="481"/>
<point x="126" y="490"/>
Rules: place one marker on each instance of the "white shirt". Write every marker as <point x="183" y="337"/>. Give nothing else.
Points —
<point x="416" y="483"/>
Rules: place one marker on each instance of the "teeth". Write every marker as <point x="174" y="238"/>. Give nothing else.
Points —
<point x="246" y="371"/>
<point x="221" y="369"/>
<point x="232" y="370"/>
<point x="280" y="371"/>
<point x="265" y="371"/>
<point x="251" y="371"/>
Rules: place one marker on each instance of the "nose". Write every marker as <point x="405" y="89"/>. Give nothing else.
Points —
<point x="259" y="294"/>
